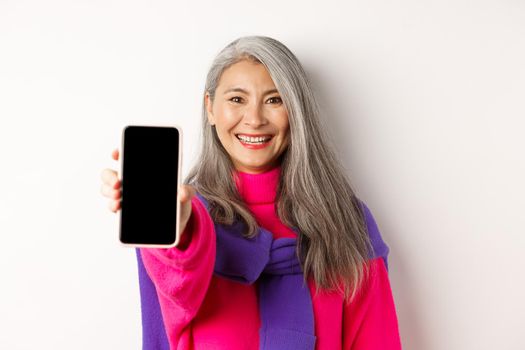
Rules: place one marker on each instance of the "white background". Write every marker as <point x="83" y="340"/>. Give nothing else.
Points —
<point x="427" y="101"/>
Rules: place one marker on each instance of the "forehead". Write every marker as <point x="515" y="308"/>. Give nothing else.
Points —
<point x="247" y="75"/>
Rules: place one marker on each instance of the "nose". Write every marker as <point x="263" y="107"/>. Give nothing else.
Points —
<point x="254" y="116"/>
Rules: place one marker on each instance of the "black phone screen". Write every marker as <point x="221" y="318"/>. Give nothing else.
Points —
<point x="150" y="162"/>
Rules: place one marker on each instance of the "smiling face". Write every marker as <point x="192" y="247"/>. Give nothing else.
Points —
<point x="249" y="116"/>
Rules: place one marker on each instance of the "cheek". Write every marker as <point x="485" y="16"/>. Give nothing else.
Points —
<point x="227" y="117"/>
<point x="279" y="118"/>
<point x="284" y="125"/>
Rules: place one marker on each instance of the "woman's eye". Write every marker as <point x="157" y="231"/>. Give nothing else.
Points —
<point x="236" y="99"/>
<point x="277" y="99"/>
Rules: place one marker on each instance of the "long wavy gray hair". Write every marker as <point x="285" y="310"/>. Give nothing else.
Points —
<point x="313" y="194"/>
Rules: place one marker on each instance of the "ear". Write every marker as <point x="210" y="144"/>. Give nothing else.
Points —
<point x="207" y="101"/>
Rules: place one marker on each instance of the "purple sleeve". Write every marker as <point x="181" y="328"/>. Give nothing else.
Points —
<point x="380" y="247"/>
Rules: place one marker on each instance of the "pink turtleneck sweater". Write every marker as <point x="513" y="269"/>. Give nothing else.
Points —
<point x="204" y="311"/>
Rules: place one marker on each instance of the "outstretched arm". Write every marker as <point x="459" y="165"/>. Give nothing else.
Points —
<point x="181" y="275"/>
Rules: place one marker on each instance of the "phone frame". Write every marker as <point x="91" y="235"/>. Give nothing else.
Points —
<point x="179" y="173"/>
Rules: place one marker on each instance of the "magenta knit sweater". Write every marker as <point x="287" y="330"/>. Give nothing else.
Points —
<point x="204" y="311"/>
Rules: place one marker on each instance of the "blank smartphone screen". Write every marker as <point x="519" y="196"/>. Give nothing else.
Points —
<point x="149" y="185"/>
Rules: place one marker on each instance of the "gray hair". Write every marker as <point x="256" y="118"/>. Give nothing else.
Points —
<point x="314" y="195"/>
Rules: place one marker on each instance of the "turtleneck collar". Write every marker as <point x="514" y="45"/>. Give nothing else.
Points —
<point x="258" y="188"/>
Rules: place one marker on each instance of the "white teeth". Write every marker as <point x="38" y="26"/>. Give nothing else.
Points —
<point x="253" y="139"/>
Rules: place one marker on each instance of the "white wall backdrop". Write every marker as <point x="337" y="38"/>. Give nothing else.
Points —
<point x="427" y="105"/>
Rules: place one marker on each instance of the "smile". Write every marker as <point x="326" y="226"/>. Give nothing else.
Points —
<point x="254" y="142"/>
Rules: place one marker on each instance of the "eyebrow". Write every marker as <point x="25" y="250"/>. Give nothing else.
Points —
<point x="237" y="89"/>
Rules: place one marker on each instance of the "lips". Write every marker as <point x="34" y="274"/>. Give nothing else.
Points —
<point x="255" y="135"/>
<point x="255" y="144"/>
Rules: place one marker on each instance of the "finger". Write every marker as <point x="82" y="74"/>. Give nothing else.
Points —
<point x="109" y="192"/>
<point x="110" y="178"/>
<point x="187" y="192"/>
<point x="115" y="154"/>
<point x="182" y="193"/>
<point x="191" y="190"/>
<point x="114" y="206"/>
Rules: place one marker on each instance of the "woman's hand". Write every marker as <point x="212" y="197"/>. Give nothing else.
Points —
<point x="112" y="189"/>
<point x="112" y="186"/>
<point x="186" y="193"/>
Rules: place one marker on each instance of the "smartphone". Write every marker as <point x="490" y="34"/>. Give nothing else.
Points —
<point x="150" y="168"/>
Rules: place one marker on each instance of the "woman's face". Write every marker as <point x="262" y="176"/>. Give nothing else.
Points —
<point x="247" y="104"/>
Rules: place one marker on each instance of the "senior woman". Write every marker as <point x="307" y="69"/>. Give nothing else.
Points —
<point x="277" y="251"/>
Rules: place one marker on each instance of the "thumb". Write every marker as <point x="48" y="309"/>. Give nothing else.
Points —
<point x="186" y="193"/>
